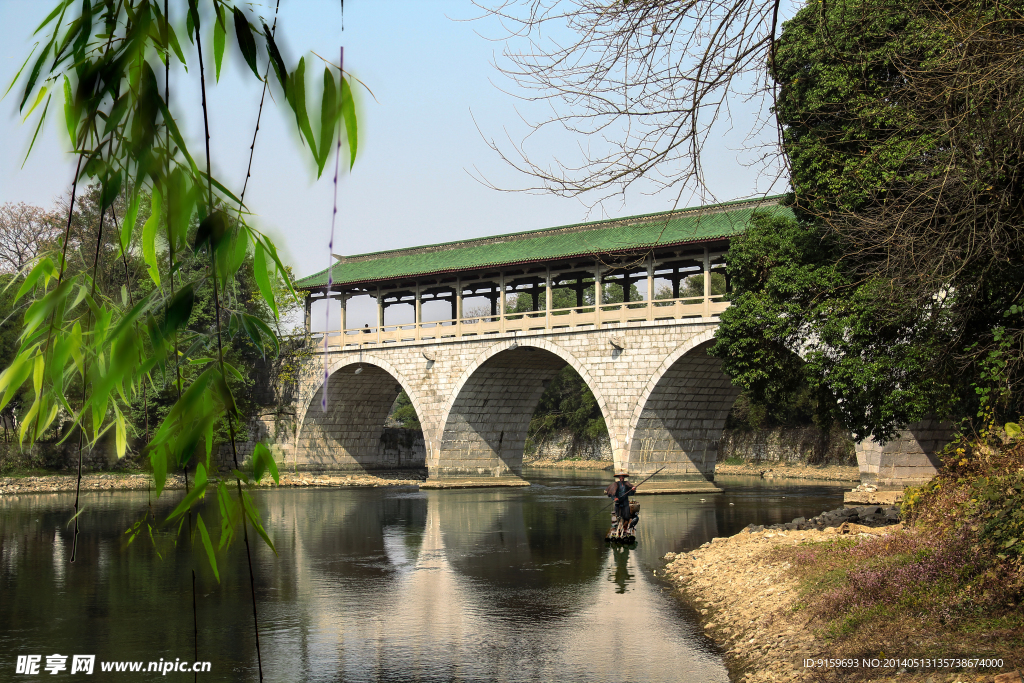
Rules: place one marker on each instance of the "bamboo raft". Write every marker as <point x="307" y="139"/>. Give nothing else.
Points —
<point x="621" y="532"/>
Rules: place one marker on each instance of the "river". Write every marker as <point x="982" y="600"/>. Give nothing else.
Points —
<point x="381" y="584"/>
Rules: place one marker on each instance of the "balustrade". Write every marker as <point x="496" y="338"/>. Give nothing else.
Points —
<point x="621" y="313"/>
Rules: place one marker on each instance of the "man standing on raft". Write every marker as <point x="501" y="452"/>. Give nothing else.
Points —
<point x="620" y="490"/>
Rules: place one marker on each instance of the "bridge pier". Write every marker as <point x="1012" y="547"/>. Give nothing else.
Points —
<point x="907" y="460"/>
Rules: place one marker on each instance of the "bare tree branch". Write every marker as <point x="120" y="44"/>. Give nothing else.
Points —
<point x="25" y="232"/>
<point x="641" y="83"/>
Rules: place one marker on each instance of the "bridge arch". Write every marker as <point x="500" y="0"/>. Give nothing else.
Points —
<point x="681" y="412"/>
<point x="350" y="434"/>
<point x="483" y="424"/>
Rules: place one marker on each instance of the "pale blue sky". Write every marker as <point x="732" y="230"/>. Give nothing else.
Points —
<point x="431" y="74"/>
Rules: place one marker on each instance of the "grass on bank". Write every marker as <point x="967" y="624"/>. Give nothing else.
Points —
<point x="949" y="584"/>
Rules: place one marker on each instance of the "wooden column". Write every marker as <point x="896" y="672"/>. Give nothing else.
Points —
<point x="650" y="286"/>
<point x="650" y="277"/>
<point x="501" y="300"/>
<point x="343" y="300"/>
<point x="548" y="296"/>
<point x="418" y="306"/>
<point x="707" y="283"/>
<point x="309" y="313"/>
<point x="380" y="310"/>
<point x="597" y="294"/>
<point x="458" y="299"/>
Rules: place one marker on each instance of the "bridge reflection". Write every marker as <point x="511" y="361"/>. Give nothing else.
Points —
<point x="452" y="575"/>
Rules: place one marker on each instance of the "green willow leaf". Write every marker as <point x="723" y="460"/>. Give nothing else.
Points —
<point x="254" y="517"/>
<point x="35" y="135"/>
<point x="41" y="309"/>
<point x="263" y="461"/>
<point x="263" y="275"/>
<point x="197" y="492"/>
<point x="348" y="111"/>
<point x="131" y="215"/>
<point x="228" y="515"/>
<point x="262" y="327"/>
<point x="205" y="538"/>
<point x="172" y="38"/>
<point x="44" y="269"/>
<point x="253" y="332"/>
<point x="109" y="189"/>
<point x="61" y="6"/>
<point x="329" y="112"/>
<point x="219" y="35"/>
<point x="27" y="421"/>
<point x="15" y="375"/>
<point x="17" y="75"/>
<point x="34" y="75"/>
<point x="182" y="195"/>
<point x="149" y="236"/>
<point x="297" y="99"/>
<point x="70" y="113"/>
<point x="275" y="57"/>
<point x="120" y="432"/>
<point x="39" y="98"/>
<point x="158" y="459"/>
<point x="172" y="127"/>
<point x="246" y="42"/>
<point x="272" y="250"/>
<point x="179" y="310"/>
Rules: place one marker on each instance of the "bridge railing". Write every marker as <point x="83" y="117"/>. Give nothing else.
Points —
<point x="534" y="321"/>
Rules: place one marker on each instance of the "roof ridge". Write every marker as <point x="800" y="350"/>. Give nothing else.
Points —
<point x="557" y="230"/>
<point x="699" y="223"/>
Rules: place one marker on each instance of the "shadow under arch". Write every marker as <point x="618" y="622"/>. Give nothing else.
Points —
<point x="483" y="426"/>
<point x="679" y="418"/>
<point x="350" y="434"/>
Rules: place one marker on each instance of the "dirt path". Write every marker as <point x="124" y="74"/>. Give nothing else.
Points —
<point x="746" y="601"/>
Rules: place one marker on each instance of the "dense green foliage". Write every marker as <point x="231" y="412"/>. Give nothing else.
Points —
<point x="899" y="285"/>
<point x="404" y="413"/>
<point x="865" y="365"/>
<point x="567" y="405"/>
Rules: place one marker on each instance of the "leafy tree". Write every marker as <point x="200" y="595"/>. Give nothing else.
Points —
<point x="567" y="405"/>
<point x="404" y="413"/>
<point x="899" y="283"/>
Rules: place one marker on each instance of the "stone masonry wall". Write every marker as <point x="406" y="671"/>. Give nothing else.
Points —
<point x="622" y="364"/>
<point x="782" y="444"/>
<point x="907" y="460"/>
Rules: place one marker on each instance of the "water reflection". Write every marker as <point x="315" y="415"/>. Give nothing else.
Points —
<point x="620" y="558"/>
<point x="382" y="584"/>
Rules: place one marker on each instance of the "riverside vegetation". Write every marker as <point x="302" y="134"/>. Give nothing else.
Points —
<point x="947" y="581"/>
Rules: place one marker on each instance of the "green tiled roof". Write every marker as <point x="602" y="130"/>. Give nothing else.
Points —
<point x="697" y="224"/>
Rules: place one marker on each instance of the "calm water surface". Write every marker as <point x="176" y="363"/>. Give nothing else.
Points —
<point x="382" y="584"/>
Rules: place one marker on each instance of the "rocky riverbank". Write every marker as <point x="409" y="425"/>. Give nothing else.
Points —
<point x="776" y="470"/>
<point x="136" y="482"/>
<point x="748" y="600"/>
<point x="597" y="465"/>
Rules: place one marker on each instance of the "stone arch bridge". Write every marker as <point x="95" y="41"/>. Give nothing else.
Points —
<point x="631" y="304"/>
